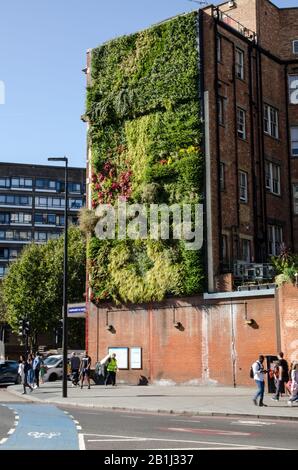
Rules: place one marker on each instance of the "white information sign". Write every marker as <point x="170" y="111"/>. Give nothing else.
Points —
<point x="121" y="356"/>
<point x="135" y="358"/>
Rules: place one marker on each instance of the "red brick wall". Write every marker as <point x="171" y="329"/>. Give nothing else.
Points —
<point x="214" y="344"/>
<point x="288" y="311"/>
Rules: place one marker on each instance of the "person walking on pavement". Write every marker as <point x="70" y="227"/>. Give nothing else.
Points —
<point x="281" y="376"/>
<point x="36" y="369"/>
<point x="259" y="372"/>
<point x="23" y="369"/>
<point x="74" y="367"/>
<point x="111" y="370"/>
<point x="294" y="384"/>
<point x="85" y="369"/>
<point x="30" y="371"/>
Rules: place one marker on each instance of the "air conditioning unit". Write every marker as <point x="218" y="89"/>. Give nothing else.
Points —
<point x="231" y="4"/>
<point x="259" y="271"/>
<point x="250" y="273"/>
<point x="268" y="272"/>
<point x="239" y="269"/>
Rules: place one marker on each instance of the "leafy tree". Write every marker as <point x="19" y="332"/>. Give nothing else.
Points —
<point x="3" y="312"/>
<point x="33" y="287"/>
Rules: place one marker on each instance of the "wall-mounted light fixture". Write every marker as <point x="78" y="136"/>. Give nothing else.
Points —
<point x="177" y="324"/>
<point x="249" y="321"/>
<point x="109" y="326"/>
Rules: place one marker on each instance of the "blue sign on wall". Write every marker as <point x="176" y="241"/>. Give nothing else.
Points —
<point x="76" y="310"/>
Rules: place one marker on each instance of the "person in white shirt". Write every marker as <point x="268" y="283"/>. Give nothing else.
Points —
<point x="259" y="372"/>
<point x="294" y="385"/>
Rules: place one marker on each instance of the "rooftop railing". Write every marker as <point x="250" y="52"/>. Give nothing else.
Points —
<point x="234" y="24"/>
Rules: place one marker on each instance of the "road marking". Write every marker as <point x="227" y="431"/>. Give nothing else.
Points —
<point x="43" y="435"/>
<point x="79" y="428"/>
<point x="252" y="423"/>
<point x="11" y="431"/>
<point x="3" y="440"/>
<point x="186" y="421"/>
<point x="142" y="439"/>
<point x="82" y="445"/>
<point x="74" y="420"/>
<point x="219" y="432"/>
<point x="42" y="427"/>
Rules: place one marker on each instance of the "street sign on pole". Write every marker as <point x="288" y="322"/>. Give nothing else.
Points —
<point x="76" y="310"/>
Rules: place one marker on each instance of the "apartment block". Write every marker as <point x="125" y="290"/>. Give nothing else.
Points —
<point x="32" y="205"/>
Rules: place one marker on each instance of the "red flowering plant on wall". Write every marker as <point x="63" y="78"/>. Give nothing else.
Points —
<point x="109" y="184"/>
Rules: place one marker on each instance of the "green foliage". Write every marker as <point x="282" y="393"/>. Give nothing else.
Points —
<point x="3" y="310"/>
<point x="87" y="220"/>
<point x="32" y="288"/>
<point x="285" y="266"/>
<point x="145" y="72"/>
<point x="144" y="114"/>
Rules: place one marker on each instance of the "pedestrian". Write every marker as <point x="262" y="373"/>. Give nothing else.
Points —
<point x="23" y="369"/>
<point x="259" y="372"/>
<point x="281" y="376"/>
<point x="111" y="371"/>
<point x="42" y="371"/>
<point x="30" y="372"/>
<point x="36" y="369"/>
<point x="85" y="369"/>
<point x="74" y="368"/>
<point x="294" y="384"/>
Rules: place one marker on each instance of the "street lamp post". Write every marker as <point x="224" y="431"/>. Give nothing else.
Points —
<point x="65" y="277"/>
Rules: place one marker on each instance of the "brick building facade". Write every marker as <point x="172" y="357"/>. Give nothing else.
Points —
<point x="212" y="339"/>
<point x="249" y="85"/>
<point x="250" y="65"/>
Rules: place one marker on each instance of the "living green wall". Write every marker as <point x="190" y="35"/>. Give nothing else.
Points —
<point x="145" y="138"/>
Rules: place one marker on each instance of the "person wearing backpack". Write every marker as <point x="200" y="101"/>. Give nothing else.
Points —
<point x="281" y="376"/>
<point x="259" y="372"/>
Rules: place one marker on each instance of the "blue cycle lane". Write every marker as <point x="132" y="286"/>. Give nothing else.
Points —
<point x="41" y="427"/>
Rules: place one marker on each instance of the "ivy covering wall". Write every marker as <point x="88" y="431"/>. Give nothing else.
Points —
<point x="145" y="136"/>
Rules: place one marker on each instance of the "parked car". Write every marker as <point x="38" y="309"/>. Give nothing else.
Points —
<point x="9" y="372"/>
<point x="54" y="368"/>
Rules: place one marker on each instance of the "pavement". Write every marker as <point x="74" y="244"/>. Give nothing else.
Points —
<point x="178" y="399"/>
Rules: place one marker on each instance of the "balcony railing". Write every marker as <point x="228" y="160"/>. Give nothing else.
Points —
<point x="253" y="271"/>
<point x="228" y="20"/>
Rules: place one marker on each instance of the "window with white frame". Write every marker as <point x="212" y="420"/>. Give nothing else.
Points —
<point x="222" y="176"/>
<point x="275" y="238"/>
<point x="295" y="46"/>
<point x="239" y="63"/>
<point x="293" y="89"/>
<point x="20" y="218"/>
<point x="294" y="141"/>
<point x="241" y="125"/>
<point x="295" y="198"/>
<point x="270" y="121"/>
<point x="272" y="177"/>
<point x="243" y="186"/>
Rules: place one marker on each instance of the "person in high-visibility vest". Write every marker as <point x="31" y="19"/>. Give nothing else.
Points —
<point x="112" y="369"/>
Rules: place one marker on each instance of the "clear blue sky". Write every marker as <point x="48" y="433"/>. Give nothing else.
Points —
<point x="42" y="52"/>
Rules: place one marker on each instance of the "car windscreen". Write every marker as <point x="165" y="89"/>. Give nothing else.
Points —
<point x="51" y="361"/>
